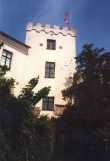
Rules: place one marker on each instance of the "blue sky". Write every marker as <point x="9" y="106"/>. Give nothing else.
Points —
<point x="91" y="18"/>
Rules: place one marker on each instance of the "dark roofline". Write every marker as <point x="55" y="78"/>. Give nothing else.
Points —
<point x="13" y="39"/>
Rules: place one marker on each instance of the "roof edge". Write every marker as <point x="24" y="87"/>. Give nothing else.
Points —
<point x="14" y="39"/>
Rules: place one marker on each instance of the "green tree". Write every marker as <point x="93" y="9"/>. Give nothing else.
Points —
<point x="91" y="84"/>
<point x="25" y="136"/>
<point x="36" y="141"/>
<point x="84" y="127"/>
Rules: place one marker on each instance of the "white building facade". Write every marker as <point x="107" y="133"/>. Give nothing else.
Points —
<point x="48" y="53"/>
<point x="13" y="54"/>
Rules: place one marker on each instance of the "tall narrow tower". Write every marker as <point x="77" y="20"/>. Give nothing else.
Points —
<point x="51" y="56"/>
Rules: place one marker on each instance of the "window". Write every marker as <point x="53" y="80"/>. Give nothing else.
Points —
<point x="6" y="59"/>
<point x="49" y="70"/>
<point x="51" y="44"/>
<point x="48" y="103"/>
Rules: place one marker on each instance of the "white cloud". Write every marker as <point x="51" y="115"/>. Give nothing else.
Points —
<point x="50" y="10"/>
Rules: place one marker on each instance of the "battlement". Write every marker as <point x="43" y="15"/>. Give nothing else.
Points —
<point x="51" y="29"/>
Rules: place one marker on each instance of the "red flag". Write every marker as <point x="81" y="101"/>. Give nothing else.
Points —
<point x="66" y="18"/>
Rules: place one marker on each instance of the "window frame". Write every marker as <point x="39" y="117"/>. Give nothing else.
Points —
<point x="51" y="44"/>
<point x="7" y="56"/>
<point x="49" y="70"/>
<point x="48" y="103"/>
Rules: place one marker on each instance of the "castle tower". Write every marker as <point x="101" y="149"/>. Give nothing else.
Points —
<point x="51" y="56"/>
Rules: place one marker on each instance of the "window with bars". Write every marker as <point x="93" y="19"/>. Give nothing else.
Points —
<point x="50" y="70"/>
<point x="51" y="44"/>
<point x="48" y="104"/>
<point x="6" y="59"/>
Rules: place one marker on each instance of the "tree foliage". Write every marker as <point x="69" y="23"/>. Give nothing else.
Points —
<point x="85" y="126"/>
<point x="23" y="136"/>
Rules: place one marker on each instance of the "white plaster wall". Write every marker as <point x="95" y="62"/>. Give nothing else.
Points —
<point x="63" y="58"/>
<point x="24" y="67"/>
<point x="17" y="67"/>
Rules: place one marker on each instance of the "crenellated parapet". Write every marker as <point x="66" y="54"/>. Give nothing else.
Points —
<point x="51" y="29"/>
